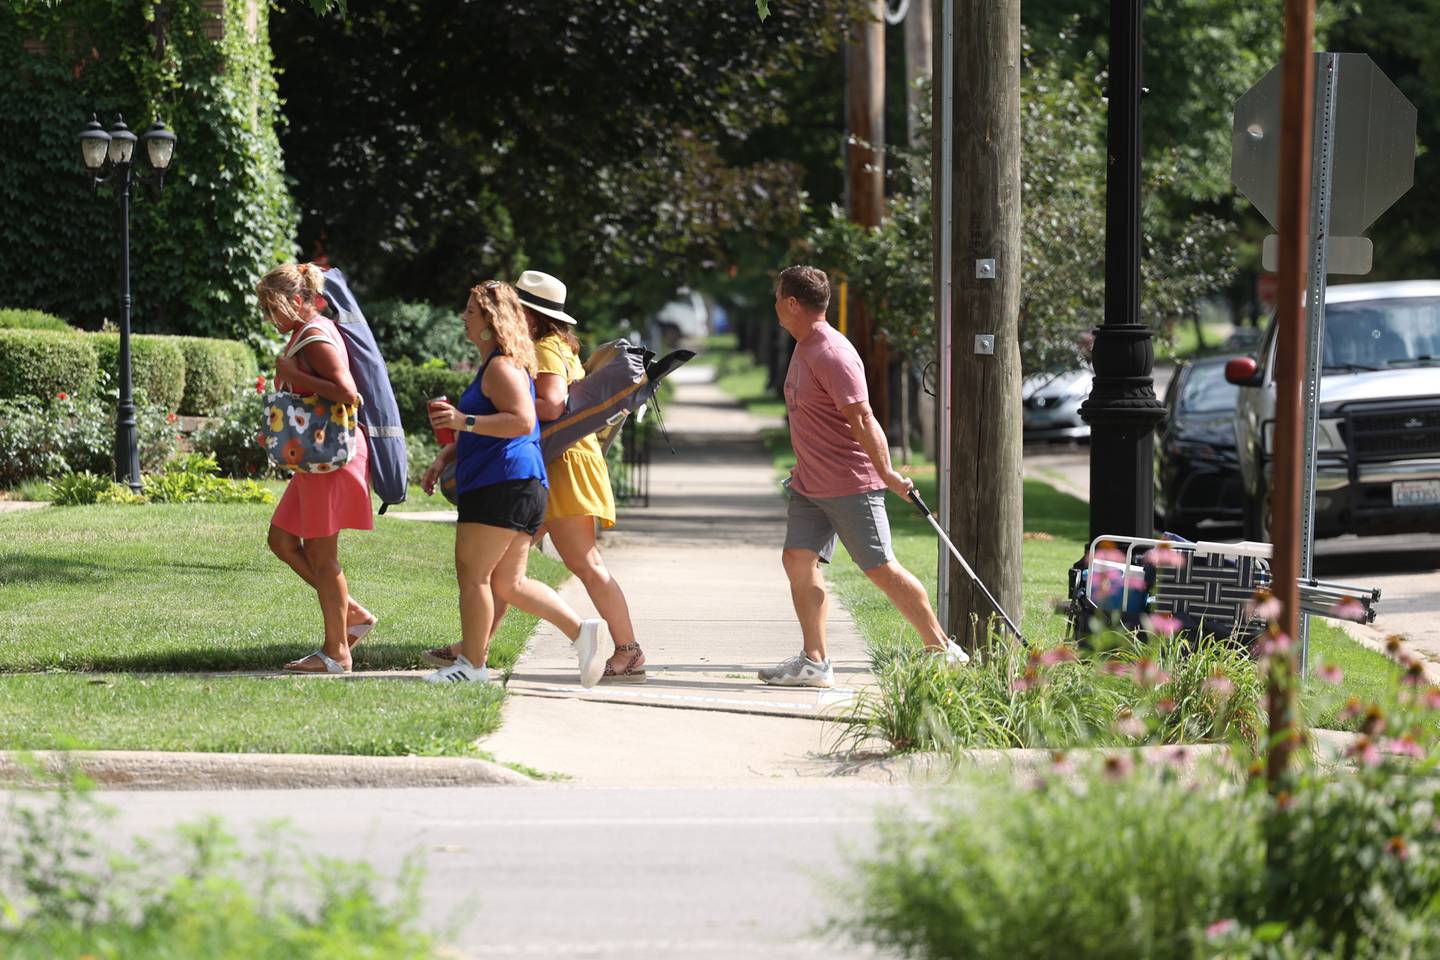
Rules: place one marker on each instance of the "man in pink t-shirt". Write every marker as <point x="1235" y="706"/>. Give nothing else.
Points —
<point x="837" y="488"/>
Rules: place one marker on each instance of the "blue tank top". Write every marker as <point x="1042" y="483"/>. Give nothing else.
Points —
<point x="481" y="460"/>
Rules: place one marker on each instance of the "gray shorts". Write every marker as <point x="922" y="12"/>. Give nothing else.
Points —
<point x="859" y="520"/>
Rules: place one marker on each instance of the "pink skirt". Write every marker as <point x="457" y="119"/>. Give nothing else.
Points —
<point x="323" y="504"/>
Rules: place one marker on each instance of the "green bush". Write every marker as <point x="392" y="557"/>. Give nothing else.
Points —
<point x="32" y="320"/>
<point x="1167" y="690"/>
<point x="418" y="332"/>
<point x="157" y="366"/>
<point x="41" y="440"/>
<point x="78" y="489"/>
<point x="44" y="363"/>
<point x="415" y="385"/>
<point x="195" y="478"/>
<point x="213" y="371"/>
<point x="1130" y="867"/>
<point x="189" y="895"/>
<point x="230" y="434"/>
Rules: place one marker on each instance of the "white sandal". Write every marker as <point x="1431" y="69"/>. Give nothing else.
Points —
<point x="331" y="666"/>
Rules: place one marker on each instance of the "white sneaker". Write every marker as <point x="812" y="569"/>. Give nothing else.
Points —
<point x="461" y="671"/>
<point x="953" y="653"/>
<point x="589" y="651"/>
<point x="799" y="671"/>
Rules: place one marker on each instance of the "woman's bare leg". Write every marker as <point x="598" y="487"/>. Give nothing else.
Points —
<point x="329" y="582"/>
<point x="512" y="586"/>
<point x="574" y="539"/>
<point x="291" y="549"/>
<point x="478" y="550"/>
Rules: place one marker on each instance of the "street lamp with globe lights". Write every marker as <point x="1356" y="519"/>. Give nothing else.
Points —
<point x="110" y="155"/>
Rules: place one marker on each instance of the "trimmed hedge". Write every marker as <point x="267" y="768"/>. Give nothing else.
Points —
<point x="414" y="386"/>
<point x="42" y="363"/>
<point x="213" y="371"/>
<point x="157" y="366"/>
<point x="31" y="320"/>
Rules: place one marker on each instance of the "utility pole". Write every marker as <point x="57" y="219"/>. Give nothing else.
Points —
<point x="865" y="179"/>
<point x="917" y="68"/>
<point x="1122" y="409"/>
<point x="977" y="222"/>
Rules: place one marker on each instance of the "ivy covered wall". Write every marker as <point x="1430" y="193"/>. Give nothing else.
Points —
<point x="202" y="67"/>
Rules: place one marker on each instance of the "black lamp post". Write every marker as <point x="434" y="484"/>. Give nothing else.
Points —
<point x="1122" y="409"/>
<point x="111" y="155"/>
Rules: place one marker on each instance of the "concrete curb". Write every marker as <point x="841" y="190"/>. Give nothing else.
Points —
<point x="1367" y="635"/>
<point x="145" y="770"/>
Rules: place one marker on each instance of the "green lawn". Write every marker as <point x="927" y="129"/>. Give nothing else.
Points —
<point x="1056" y="529"/>
<point x="104" y="594"/>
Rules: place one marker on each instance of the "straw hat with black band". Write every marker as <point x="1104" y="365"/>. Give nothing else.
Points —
<point x="543" y="294"/>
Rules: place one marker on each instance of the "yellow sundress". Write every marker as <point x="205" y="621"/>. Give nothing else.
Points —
<point x="579" y="479"/>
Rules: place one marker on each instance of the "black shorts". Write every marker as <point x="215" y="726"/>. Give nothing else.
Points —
<point x="512" y="504"/>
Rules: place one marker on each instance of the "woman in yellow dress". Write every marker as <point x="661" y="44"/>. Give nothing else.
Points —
<point x="580" y="493"/>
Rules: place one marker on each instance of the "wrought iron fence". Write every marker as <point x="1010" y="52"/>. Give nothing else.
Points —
<point x="630" y="471"/>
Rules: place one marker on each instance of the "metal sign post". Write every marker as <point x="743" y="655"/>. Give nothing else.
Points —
<point x="1362" y="161"/>
<point x="1322" y="181"/>
<point x="946" y="439"/>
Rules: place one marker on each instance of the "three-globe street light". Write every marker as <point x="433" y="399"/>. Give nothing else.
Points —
<point x="110" y="155"/>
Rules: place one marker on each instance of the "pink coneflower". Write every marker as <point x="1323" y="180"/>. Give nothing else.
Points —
<point x="1108" y="553"/>
<point x="1220" y="928"/>
<point x="1365" y="751"/>
<point x="1394" y="644"/>
<point x="1057" y="655"/>
<point x="1118" y="668"/>
<point x="1265" y="606"/>
<point x="1274" y="644"/>
<point x="1374" y="722"/>
<point x="1129" y="725"/>
<point x="1148" y="673"/>
<point x="1348" y="608"/>
<point x="1026" y="681"/>
<point x="1284" y="800"/>
<point x="1164" y="555"/>
<point x="1330" y="674"/>
<point x="1404" y="747"/>
<point x="1219" y="686"/>
<point x="1165" y="706"/>
<point x="1397" y="848"/>
<point x="1165" y="624"/>
<point x="1177" y="757"/>
<point x="1352" y="709"/>
<point x="1117" y="767"/>
<point x="1432" y="698"/>
<point x="1135" y="584"/>
<point x="1060" y="764"/>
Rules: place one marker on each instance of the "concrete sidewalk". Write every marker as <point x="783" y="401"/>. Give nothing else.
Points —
<point x="701" y="569"/>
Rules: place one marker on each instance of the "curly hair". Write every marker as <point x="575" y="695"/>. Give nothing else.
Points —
<point x="285" y="281"/>
<point x="501" y="308"/>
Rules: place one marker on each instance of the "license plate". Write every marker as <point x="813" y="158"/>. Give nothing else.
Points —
<point x="1415" y="493"/>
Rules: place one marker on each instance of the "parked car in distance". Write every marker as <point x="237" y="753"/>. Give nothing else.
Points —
<point x="1197" y="471"/>
<point x="1051" y="405"/>
<point x="1377" y="448"/>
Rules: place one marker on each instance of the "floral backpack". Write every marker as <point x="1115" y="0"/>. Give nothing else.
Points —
<point x="308" y="433"/>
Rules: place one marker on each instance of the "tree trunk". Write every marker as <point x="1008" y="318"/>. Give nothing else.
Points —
<point x="917" y="63"/>
<point x="984" y="473"/>
<point x="865" y="181"/>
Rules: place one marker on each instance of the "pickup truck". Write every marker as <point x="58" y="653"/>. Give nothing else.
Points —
<point x="1378" y="442"/>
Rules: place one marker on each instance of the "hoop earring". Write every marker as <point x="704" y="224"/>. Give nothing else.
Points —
<point x="486" y="334"/>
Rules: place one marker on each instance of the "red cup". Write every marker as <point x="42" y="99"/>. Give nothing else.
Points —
<point x="443" y="435"/>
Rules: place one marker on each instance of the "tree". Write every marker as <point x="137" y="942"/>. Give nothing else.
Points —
<point x="1063" y="186"/>
<point x="603" y="141"/>
<point x="225" y="217"/>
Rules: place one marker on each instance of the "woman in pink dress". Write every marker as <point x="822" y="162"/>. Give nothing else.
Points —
<point x="305" y="530"/>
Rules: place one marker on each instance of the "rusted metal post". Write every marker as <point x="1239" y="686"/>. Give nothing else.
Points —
<point x="1296" y="121"/>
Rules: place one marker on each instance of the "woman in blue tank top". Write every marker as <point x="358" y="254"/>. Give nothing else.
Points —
<point x="500" y="479"/>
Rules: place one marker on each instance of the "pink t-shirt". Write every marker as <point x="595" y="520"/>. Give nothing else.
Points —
<point x="825" y="375"/>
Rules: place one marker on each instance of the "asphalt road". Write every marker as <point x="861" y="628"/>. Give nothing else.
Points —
<point x="566" y="871"/>
<point x="1405" y="568"/>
